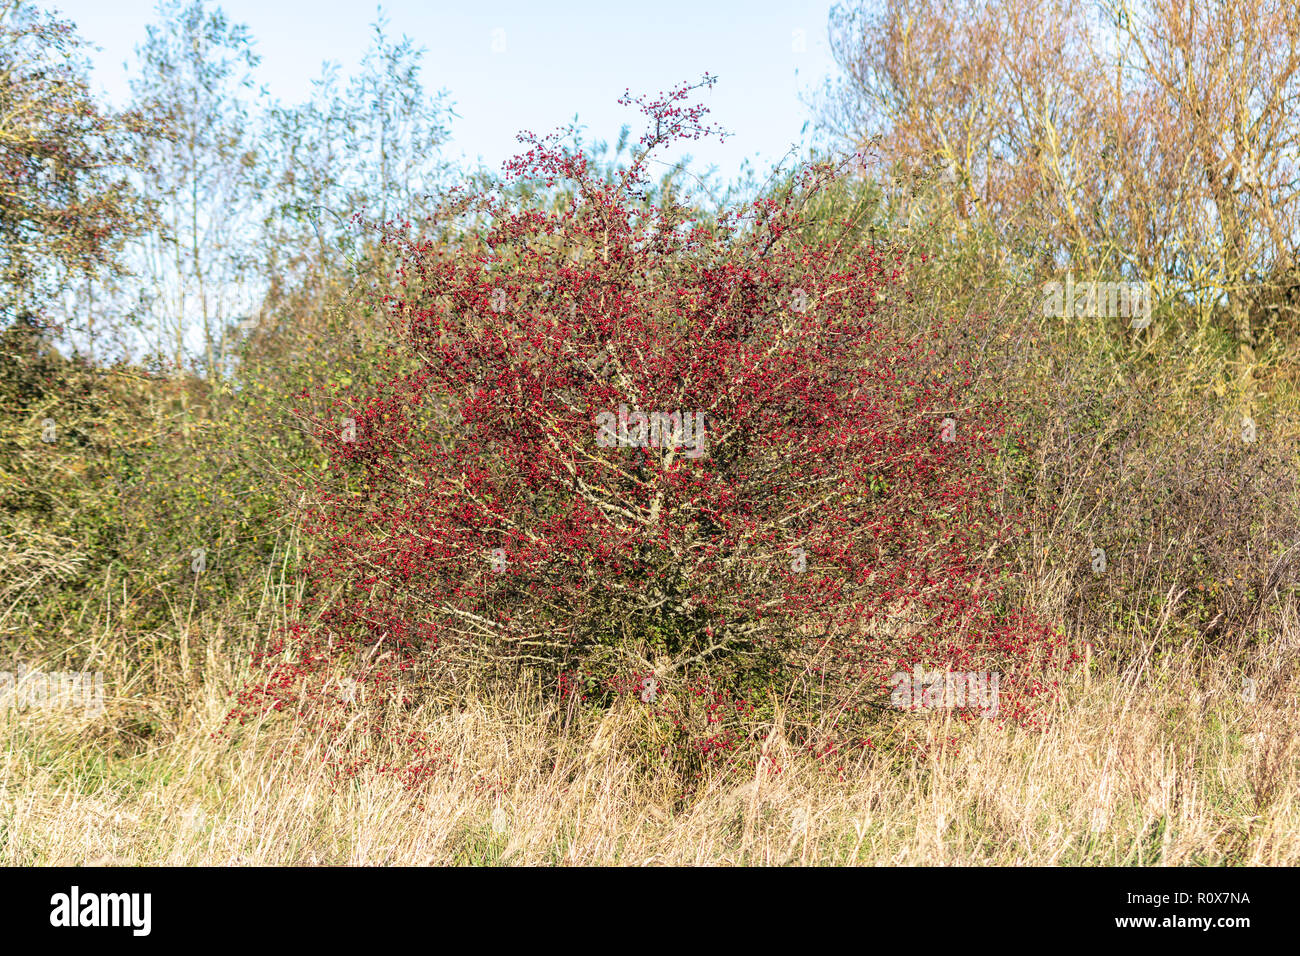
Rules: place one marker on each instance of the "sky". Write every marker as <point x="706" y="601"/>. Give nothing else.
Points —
<point x="520" y="65"/>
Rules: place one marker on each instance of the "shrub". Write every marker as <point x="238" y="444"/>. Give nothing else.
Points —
<point x="646" y="450"/>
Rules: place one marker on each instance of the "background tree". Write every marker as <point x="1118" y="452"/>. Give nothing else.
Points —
<point x="359" y="148"/>
<point x="1147" y="141"/>
<point x="66" y="205"/>
<point x="194" y="71"/>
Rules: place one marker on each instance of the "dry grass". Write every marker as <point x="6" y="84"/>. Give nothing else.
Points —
<point x="1173" y="768"/>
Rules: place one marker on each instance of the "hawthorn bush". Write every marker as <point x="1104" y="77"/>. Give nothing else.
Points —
<point x="641" y="449"/>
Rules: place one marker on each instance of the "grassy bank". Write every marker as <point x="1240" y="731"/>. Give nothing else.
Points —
<point x="1162" y="767"/>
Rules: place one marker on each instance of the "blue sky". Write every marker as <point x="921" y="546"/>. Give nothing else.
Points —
<point x="518" y="65"/>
